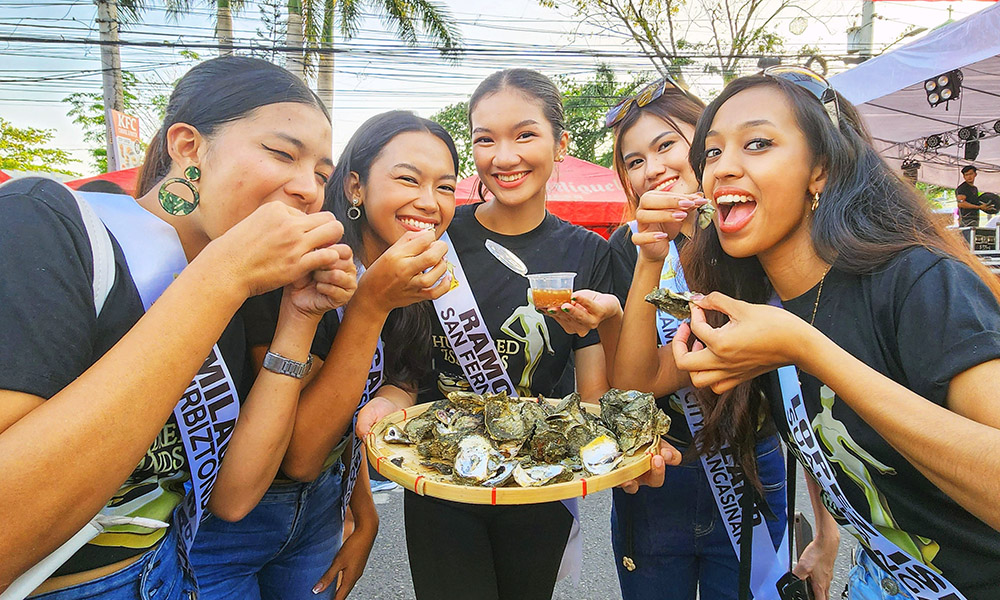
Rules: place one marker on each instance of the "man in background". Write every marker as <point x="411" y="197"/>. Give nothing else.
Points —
<point x="967" y="197"/>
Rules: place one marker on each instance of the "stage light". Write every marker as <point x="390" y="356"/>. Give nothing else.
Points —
<point x="943" y="88"/>
<point x="968" y="133"/>
<point x="933" y="141"/>
<point x="996" y="126"/>
<point x="972" y="150"/>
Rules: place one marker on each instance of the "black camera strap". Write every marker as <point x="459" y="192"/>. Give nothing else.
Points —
<point x="747" y="504"/>
<point x="790" y="476"/>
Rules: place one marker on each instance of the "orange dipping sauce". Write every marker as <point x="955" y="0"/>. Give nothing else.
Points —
<point x="546" y="299"/>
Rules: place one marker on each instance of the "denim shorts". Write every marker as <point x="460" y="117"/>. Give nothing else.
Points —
<point x="868" y="581"/>
<point x="159" y="575"/>
<point x="676" y="537"/>
<point x="279" y="550"/>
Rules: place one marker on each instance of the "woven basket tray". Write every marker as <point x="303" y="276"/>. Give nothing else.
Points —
<point x="428" y="482"/>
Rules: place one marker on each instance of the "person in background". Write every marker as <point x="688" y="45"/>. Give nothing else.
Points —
<point x="967" y="199"/>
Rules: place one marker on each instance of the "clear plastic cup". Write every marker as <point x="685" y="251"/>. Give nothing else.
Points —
<point x="551" y="290"/>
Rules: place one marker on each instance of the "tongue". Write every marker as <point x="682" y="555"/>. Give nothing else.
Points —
<point x="740" y="211"/>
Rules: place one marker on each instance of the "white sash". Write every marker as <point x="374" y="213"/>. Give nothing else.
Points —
<point x="374" y="382"/>
<point x="477" y="353"/>
<point x="922" y="582"/>
<point x="207" y="412"/>
<point x="724" y="477"/>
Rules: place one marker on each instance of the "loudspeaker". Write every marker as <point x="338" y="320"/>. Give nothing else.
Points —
<point x="971" y="149"/>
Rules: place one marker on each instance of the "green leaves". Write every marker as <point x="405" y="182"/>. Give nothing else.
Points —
<point x="30" y="149"/>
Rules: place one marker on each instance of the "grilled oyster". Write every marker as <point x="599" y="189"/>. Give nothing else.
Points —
<point x="395" y="435"/>
<point x="506" y="421"/>
<point x="503" y="474"/>
<point x="669" y="301"/>
<point x="634" y="418"/>
<point x="705" y="214"/>
<point x="536" y="475"/>
<point x="466" y="401"/>
<point x="472" y="463"/>
<point x="601" y="455"/>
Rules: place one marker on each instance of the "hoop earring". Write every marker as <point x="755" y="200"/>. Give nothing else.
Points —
<point x="354" y="212"/>
<point x="174" y="204"/>
<point x="815" y="203"/>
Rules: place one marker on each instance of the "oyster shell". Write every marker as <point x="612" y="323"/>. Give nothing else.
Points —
<point x="466" y="401"/>
<point x="536" y="475"/>
<point x="472" y="462"/>
<point x="506" y="421"/>
<point x="705" y="214"/>
<point x="669" y="301"/>
<point x="601" y="455"/>
<point x="502" y="475"/>
<point x="634" y="418"/>
<point x="395" y="435"/>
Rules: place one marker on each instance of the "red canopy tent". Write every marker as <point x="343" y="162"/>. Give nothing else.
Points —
<point x="3" y="177"/>
<point x="578" y="191"/>
<point x="125" y="178"/>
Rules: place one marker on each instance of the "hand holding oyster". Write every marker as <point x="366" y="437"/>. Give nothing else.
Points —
<point x="669" y="301"/>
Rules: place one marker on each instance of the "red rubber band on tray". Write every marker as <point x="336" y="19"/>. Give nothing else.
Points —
<point x="416" y="482"/>
<point x="378" y="465"/>
<point x="404" y="414"/>
<point x="493" y="499"/>
<point x="584" y="483"/>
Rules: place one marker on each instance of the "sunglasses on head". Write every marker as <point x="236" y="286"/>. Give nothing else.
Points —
<point x="648" y="94"/>
<point x="812" y="82"/>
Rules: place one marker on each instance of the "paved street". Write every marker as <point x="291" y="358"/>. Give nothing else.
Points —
<point x="388" y="576"/>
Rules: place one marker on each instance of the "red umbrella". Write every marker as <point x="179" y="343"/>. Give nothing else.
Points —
<point x="578" y="191"/>
<point x="125" y="178"/>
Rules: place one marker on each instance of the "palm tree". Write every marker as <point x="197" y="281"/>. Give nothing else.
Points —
<point x="405" y="17"/>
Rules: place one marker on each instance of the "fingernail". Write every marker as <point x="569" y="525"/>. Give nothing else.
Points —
<point x="661" y="236"/>
<point x="565" y="310"/>
<point x="572" y="299"/>
<point x="680" y="215"/>
<point x="697" y="296"/>
<point x="317" y="589"/>
<point x="552" y="311"/>
<point x="686" y="204"/>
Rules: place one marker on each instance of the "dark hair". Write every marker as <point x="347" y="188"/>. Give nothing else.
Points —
<point x="531" y="84"/>
<point x="968" y="168"/>
<point x="672" y="106"/>
<point x="216" y="92"/>
<point x="407" y="331"/>
<point x="103" y="186"/>
<point x="866" y="216"/>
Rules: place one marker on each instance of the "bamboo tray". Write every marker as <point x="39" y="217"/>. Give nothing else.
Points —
<point x="427" y="482"/>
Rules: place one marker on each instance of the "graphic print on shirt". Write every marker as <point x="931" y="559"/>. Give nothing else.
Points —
<point x="528" y="326"/>
<point x="855" y="461"/>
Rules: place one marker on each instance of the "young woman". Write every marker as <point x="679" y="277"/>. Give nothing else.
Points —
<point x="669" y="541"/>
<point x="394" y="191"/>
<point x="893" y="325"/>
<point x="468" y="551"/>
<point x="240" y="160"/>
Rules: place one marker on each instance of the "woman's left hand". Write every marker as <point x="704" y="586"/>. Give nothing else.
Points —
<point x="816" y="564"/>
<point x="586" y="311"/>
<point x="325" y="289"/>
<point x="668" y="455"/>
<point x="758" y="338"/>
<point x="350" y="561"/>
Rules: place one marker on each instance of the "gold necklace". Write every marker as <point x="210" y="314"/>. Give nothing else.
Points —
<point x="818" y="294"/>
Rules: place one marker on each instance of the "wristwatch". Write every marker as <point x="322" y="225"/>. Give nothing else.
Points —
<point x="277" y="363"/>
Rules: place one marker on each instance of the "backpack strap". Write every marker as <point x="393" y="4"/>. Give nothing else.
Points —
<point x="101" y="249"/>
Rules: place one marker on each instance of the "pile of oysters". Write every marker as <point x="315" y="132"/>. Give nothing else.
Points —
<point x="493" y="440"/>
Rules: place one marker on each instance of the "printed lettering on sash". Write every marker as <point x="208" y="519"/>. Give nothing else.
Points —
<point x="724" y="477"/>
<point x="922" y="582"/>
<point x="468" y="334"/>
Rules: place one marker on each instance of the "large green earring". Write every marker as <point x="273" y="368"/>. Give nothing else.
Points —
<point x="174" y="204"/>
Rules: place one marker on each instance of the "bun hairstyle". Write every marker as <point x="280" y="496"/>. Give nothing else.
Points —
<point x="867" y="216"/>
<point x="216" y="92"/>
<point x="674" y="107"/>
<point x="407" y="330"/>
<point x="533" y="85"/>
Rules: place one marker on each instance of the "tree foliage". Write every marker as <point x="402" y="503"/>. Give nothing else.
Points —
<point x="30" y="149"/>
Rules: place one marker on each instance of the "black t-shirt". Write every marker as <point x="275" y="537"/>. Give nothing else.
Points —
<point x="624" y="255"/>
<point x="260" y="314"/>
<point x="534" y="348"/>
<point x="49" y="335"/>
<point x="920" y="320"/>
<point x="968" y="217"/>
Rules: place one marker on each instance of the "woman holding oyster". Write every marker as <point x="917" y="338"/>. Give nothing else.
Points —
<point x="899" y="427"/>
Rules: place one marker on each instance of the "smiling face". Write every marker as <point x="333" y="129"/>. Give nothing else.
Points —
<point x="759" y="172"/>
<point x="514" y="146"/>
<point x="410" y="187"/>
<point x="655" y="156"/>
<point x="277" y="153"/>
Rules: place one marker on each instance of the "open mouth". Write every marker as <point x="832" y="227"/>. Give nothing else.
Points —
<point x="735" y="211"/>
<point x="509" y="180"/>
<point x="411" y="224"/>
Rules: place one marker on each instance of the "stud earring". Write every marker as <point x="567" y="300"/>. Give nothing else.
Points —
<point x="354" y="212"/>
<point x="174" y="204"/>
<point x="815" y="203"/>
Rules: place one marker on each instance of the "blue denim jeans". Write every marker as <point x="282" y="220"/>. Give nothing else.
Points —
<point x="679" y="540"/>
<point x="868" y="581"/>
<point x="280" y="550"/>
<point x="158" y="575"/>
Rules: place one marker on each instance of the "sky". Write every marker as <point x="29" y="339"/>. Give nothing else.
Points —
<point x="375" y="73"/>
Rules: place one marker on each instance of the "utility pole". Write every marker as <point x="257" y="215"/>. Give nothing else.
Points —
<point x="867" y="26"/>
<point x="111" y="71"/>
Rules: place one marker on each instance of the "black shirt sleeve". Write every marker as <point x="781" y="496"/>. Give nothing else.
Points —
<point x="48" y="324"/>
<point x="948" y="321"/>
<point x="623" y="258"/>
<point x="260" y="315"/>
<point x="600" y="281"/>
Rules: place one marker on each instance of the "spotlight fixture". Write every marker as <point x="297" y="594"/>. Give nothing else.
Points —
<point x="972" y="150"/>
<point x="968" y="133"/>
<point x="933" y="141"/>
<point x="996" y="126"/>
<point x="943" y="88"/>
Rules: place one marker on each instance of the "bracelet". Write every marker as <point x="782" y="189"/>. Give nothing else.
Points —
<point x="277" y="363"/>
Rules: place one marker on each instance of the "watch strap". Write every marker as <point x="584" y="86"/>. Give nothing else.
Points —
<point x="277" y="363"/>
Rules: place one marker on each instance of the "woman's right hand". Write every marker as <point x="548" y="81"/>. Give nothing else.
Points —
<point x="410" y="271"/>
<point x="274" y="246"/>
<point x="659" y="218"/>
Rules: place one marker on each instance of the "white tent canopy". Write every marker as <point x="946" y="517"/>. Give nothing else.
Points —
<point x="888" y="92"/>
